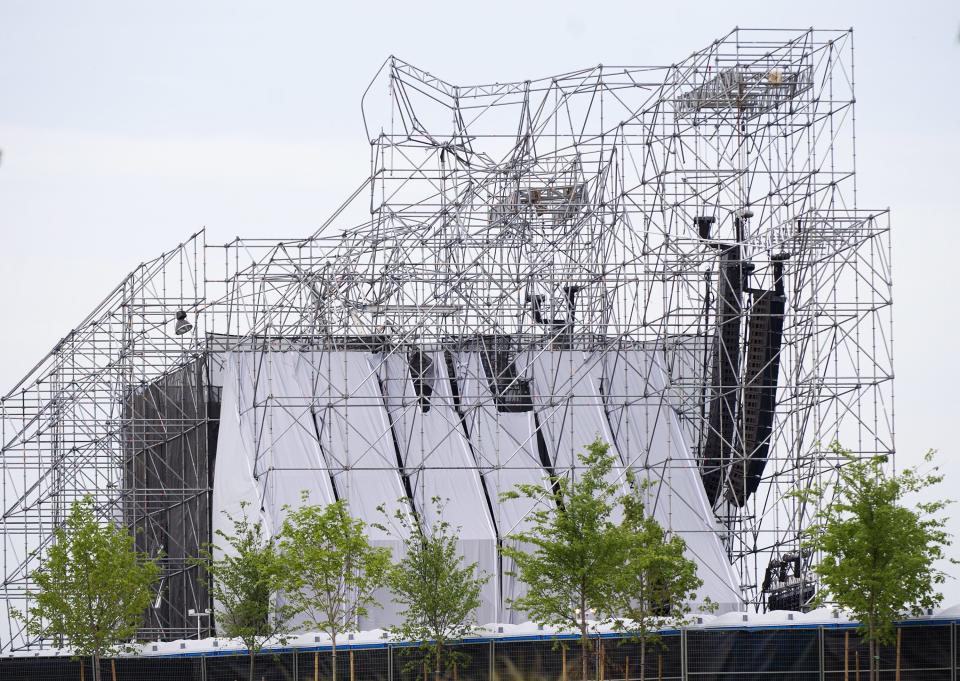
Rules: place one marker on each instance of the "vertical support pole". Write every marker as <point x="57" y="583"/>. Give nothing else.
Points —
<point x="856" y="664"/>
<point x="316" y="665"/>
<point x="352" y="676"/>
<point x="626" y="670"/>
<point x="820" y="652"/>
<point x="389" y="662"/>
<point x="846" y="655"/>
<point x="600" y="659"/>
<point x="113" y="663"/>
<point x="953" y="651"/>
<point x="563" y="662"/>
<point x="659" y="667"/>
<point x="897" y="673"/>
<point x="491" y="674"/>
<point x="83" y="664"/>
<point x="684" y="665"/>
<point x="821" y="648"/>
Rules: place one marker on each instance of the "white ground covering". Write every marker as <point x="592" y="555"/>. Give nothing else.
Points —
<point x="780" y="618"/>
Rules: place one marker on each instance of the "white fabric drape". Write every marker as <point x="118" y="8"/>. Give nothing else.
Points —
<point x="649" y="435"/>
<point x="439" y="463"/>
<point x="505" y="444"/>
<point x="334" y="424"/>
<point x="356" y="439"/>
<point x="569" y="402"/>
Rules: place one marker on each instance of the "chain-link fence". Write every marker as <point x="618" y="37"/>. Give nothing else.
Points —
<point x="922" y="651"/>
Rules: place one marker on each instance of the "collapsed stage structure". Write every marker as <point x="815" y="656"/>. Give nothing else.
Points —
<point x="668" y="258"/>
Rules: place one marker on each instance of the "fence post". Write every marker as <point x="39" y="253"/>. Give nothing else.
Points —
<point x="897" y="672"/>
<point x="389" y="662"/>
<point x="953" y="651"/>
<point x="493" y="657"/>
<point x="846" y="655"/>
<point x="684" y="671"/>
<point x="822" y="647"/>
<point x="598" y="658"/>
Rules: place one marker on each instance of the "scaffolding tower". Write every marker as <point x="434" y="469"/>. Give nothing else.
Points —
<point x="706" y="209"/>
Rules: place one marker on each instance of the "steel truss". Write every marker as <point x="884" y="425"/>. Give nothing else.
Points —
<point x="691" y="208"/>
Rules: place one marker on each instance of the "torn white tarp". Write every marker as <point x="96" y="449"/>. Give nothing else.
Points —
<point x="295" y="422"/>
<point x="355" y="434"/>
<point x="439" y="462"/>
<point x="234" y="482"/>
<point x="289" y="460"/>
<point x="505" y="444"/>
<point x="357" y="442"/>
<point x="649" y="437"/>
<point x="371" y="428"/>
<point x="569" y="403"/>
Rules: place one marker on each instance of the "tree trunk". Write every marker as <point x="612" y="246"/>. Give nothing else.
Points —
<point x="96" y="666"/>
<point x="333" y="657"/>
<point x="584" y="653"/>
<point x="643" y="660"/>
<point x="873" y="655"/>
<point x="250" y="673"/>
<point x="441" y="647"/>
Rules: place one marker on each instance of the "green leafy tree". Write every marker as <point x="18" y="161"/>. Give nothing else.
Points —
<point x="246" y="583"/>
<point x="93" y="587"/>
<point x="438" y="593"/>
<point x="878" y="556"/>
<point x="577" y="548"/>
<point x="657" y="582"/>
<point x="333" y="571"/>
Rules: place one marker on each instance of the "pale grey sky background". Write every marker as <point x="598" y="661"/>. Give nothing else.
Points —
<point x="126" y="126"/>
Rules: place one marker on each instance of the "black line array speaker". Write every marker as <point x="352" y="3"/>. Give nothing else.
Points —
<point x="761" y="373"/>
<point x="721" y="435"/>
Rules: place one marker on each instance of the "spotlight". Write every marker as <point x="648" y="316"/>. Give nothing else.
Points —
<point x="183" y="326"/>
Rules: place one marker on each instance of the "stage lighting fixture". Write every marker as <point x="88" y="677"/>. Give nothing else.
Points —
<point x="183" y="326"/>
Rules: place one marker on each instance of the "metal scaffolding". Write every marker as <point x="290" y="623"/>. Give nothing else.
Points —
<point x="706" y="209"/>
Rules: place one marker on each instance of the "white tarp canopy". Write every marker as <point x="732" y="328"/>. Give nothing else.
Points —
<point x="649" y="436"/>
<point x="569" y="403"/>
<point x="287" y="426"/>
<point x="369" y="428"/>
<point x="355" y="435"/>
<point x="440" y="464"/>
<point x="505" y="444"/>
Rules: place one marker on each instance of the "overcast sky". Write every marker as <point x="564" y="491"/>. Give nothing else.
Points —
<point x="126" y="126"/>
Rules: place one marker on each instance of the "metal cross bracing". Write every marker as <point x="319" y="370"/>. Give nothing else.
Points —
<point x="706" y="210"/>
